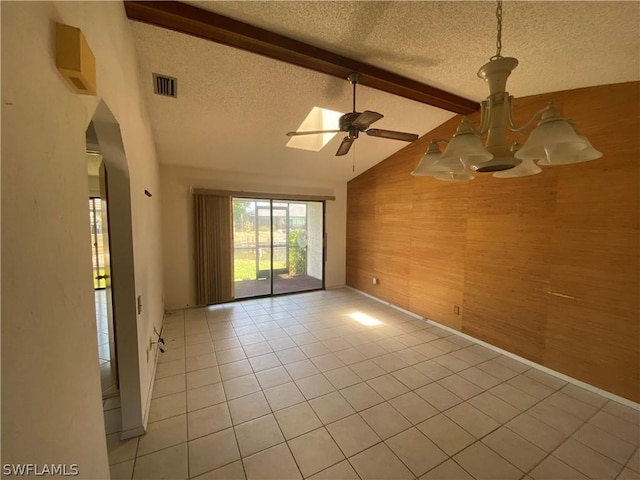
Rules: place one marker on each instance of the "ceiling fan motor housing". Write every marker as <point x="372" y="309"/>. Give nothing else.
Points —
<point x="346" y="122"/>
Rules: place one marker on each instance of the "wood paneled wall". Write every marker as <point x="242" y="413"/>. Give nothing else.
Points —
<point x="546" y="267"/>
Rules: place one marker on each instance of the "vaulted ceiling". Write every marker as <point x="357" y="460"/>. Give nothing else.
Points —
<point x="234" y="107"/>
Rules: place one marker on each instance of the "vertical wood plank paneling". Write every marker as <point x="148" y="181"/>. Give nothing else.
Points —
<point x="503" y="248"/>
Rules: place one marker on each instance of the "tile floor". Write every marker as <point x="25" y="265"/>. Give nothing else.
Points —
<point x="333" y="385"/>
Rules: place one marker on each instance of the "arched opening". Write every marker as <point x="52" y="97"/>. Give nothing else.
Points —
<point x="104" y="136"/>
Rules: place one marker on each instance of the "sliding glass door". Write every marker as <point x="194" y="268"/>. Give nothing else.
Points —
<point x="278" y="246"/>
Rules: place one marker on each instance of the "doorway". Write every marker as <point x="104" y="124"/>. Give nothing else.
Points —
<point x="278" y="246"/>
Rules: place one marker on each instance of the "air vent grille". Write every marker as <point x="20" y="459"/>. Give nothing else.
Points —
<point x="165" y="85"/>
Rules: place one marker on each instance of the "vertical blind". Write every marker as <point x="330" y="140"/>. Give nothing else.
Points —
<point x="214" y="265"/>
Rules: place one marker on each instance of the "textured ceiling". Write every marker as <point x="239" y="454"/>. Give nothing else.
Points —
<point x="233" y="107"/>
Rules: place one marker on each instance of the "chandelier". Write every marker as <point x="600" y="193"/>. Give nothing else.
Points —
<point x="554" y="141"/>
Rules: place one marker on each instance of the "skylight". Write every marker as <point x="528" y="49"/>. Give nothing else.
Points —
<point x="318" y="119"/>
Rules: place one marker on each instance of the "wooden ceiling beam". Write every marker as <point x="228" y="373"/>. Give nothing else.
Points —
<point x="191" y="20"/>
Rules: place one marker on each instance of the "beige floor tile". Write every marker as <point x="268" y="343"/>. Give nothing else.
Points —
<point x="350" y="355"/>
<point x="212" y="451"/>
<point x="556" y="418"/>
<point x="634" y="461"/>
<point x="385" y="420"/>
<point x="275" y="463"/>
<point x="414" y="408"/>
<point x="352" y="434"/>
<point x="553" y="469"/>
<point x="314" y="349"/>
<point x="296" y="420"/>
<point x="169" y="385"/>
<point x="438" y="396"/>
<point x="631" y="415"/>
<point x="205" y="396"/>
<point x="367" y="370"/>
<point x="416" y="451"/>
<point x="331" y="407"/>
<point x="257" y="349"/>
<point x="273" y="377"/>
<point x="168" y="369"/>
<point x="241" y="386"/>
<point x="460" y="386"/>
<point x="604" y="443"/>
<point x="452" y="363"/>
<point x="380" y="463"/>
<point x="433" y="370"/>
<point x="258" y="434"/>
<point x="315" y="451"/>
<point x="226" y="344"/>
<point x="264" y="362"/>
<point x="530" y="386"/>
<point x="201" y="361"/>
<point x="497" y="369"/>
<point x="327" y="362"/>
<point x="448" y="435"/>
<point x="283" y="396"/>
<point x="283" y="343"/>
<point x="448" y="470"/>
<point x="291" y="355"/>
<point x="390" y="362"/>
<point x="167" y="406"/>
<point x="514" y="448"/>
<point x="301" y="369"/>
<point x="208" y="420"/>
<point x="361" y="396"/>
<point x="163" y="434"/>
<point x="483" y="463"/>
<point x="616" y="426"/>
<point x="198" y="349"/>
<point x="235" y="369"/>
<point x="587" y="461"/>
<point x="230" y="355"/>
<point x="480" y="378"/>
<point x="387" y="386"/>
<point x="314" y="386"/>
<point x="122" y="471"/>
<point x="412" y="378"/>
<point x="121" y="450"/>
<point x="169" y="464"/>
<point x="472" y="420"/>
<point x="628" y="474"/>
<point x="514" y="396"/>
<point x="205" y="376"/>
<point x="584" y="395"/>
<point x="340" y="471"/>
<point x="342" y="377"/>
<point x="537" y="432"/>
<point x="233" y="471"/>
<point x="248" y="407"/>
<point x="500" y="411"/>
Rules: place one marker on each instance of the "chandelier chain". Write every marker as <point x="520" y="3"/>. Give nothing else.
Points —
<point x="499" y="29"/>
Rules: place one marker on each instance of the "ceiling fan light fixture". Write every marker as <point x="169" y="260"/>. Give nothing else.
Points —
<point x="555" y="141"/>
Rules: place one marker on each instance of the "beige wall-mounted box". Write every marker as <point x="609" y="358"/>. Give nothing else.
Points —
<point x="74" y="59"/>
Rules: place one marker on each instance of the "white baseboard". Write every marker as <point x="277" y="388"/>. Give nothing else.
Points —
<point x="542" y="368"/>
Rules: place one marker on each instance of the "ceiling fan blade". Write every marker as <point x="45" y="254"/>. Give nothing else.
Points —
<point x="344" y="147"/>
<point x="313" y="132"/>
<point x="405" y="137"/>
<point x="366" y="118"/>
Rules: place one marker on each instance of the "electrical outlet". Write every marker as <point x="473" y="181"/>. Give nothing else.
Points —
<point x="456" y="309"/>
<point x="139" y="304"/>
<point x="375" y="280"/>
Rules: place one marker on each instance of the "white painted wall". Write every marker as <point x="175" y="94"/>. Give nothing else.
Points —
<point x="177" y="222"/>
<point x="51" y="405"/>
<point x="315" y="240"/>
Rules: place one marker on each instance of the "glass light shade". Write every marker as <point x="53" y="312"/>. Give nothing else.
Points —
<point x="456" y="169"/>
<point x="583" y="155"/>
<point x="466" y="146"/>
<point x="428" y="165"/>
<point x="525" y="169"/>
<point x="454" y="177"/>
<point x="554" y="142"/>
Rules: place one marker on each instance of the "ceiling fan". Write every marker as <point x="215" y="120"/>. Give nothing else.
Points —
<point x="355" y="122"/>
